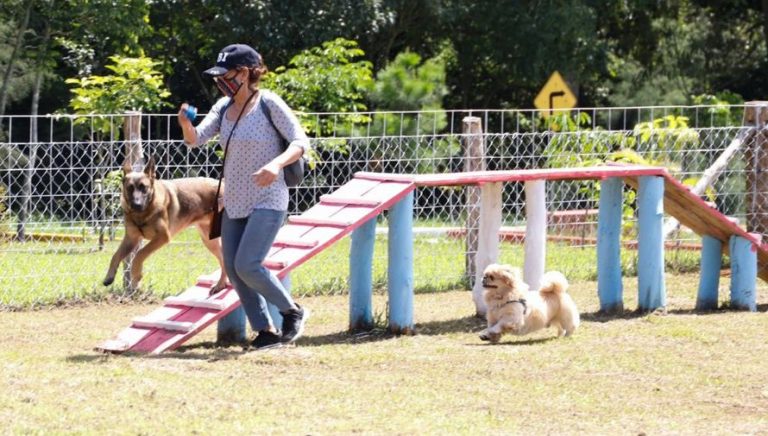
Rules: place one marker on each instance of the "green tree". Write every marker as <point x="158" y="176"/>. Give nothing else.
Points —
<point x="11" y="53"/>
<point x="135" y="85"/>
<point x="678" y="50"/>
<point x="408" y="84"/>
<point x="506" y="50"/>
<point x="328" y="78"/>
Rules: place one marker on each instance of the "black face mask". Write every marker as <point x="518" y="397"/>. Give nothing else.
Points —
<point x="228" y="87"/>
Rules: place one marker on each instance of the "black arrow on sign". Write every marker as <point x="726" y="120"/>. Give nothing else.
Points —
<point x="552" y="96"/>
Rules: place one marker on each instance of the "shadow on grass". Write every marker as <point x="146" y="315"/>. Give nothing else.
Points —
<point x="95" y="357"/>
<point x="608" y="317"/>
<point x="468" y="324"/>
<point x="510" y="341"/>
<point x="602" y="317"/>
<point x="210" y="351"/>
<point x="188" y="352"/>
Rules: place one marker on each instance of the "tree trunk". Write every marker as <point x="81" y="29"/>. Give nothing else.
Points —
<point x="765" y="20"/>
<point x="26" y="193"/>
<point x="14" y="55"/>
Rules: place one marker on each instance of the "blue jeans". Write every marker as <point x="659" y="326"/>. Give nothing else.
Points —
<point x="245" y="243"/>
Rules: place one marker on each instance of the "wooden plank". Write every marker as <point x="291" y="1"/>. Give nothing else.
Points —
<point x="177" y="326"/>
<point x="348" y="201"/>
<point x="195" y="302"/>
<point x="317" y="222"/>
<point x="273" y="264"/>
<point x="295" y="243"/>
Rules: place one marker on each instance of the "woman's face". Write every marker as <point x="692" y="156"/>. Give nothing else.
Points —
<point x="230" y="83"/>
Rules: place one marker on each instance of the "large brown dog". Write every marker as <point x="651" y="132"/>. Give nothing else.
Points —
<point x="157" y="210"/>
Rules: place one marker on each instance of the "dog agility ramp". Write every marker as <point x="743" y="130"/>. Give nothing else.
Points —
<point x="304" y="236"/>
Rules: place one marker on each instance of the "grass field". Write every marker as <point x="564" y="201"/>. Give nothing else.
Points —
<point x="675" y="373"/>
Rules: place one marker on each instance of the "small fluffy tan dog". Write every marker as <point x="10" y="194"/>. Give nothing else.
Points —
<point x="512" y="308"/>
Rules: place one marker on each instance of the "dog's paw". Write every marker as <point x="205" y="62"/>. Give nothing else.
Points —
<point x="108" y="281"/>
<point x="215" y="289"/>
<point x="485" y="336"/>
<point x="135" y="286"/>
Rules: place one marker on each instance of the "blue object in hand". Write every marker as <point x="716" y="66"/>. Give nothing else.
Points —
<point x="191" y="112"/>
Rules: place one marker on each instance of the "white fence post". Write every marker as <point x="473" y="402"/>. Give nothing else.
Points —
<point x="535" y="232"/>
<point x="488" y="238"/>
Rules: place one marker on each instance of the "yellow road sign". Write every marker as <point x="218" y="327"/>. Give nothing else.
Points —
<point x="555" y="96"/>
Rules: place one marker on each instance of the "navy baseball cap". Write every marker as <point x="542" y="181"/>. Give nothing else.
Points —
<point x="233" y="56"/>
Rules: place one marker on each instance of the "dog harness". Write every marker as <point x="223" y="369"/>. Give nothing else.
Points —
<point x="521" y="301"/>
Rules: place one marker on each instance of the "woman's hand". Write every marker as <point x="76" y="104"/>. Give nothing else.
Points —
<point x="187" y="128"/>
<point x="181" y="115"/>
<point x="266" y="175"/>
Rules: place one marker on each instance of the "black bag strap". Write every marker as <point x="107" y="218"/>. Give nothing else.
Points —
<point x="226" y="146"/>
<point x="268" y="113"/>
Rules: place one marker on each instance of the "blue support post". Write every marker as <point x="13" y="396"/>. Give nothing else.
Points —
<point x="650" y="256"/>
<point x="743" y="273"/>
<point x="231" y="328"/>
<point x="361" y="276"/>
<point x="610" y="289"/>
<point x="400" y="268"/>
<point x="709" y="279"/>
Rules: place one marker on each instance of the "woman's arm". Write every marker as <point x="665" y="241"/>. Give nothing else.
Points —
<point x="210" y="126"/>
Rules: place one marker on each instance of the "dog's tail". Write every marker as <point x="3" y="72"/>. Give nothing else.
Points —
<point x="555" y="282"/>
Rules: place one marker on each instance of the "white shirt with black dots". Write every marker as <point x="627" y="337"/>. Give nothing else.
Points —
<point x="254" y="144"/>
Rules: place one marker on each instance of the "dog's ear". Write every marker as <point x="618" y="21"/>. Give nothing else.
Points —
<point x="511" y="277"/>
<point x="127" y="168"/>
<point x="149" y="169"/>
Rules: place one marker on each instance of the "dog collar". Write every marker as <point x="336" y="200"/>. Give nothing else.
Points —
<point x="521" y="301"/>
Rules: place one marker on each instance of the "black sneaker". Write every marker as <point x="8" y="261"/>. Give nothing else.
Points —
<point x="293" y="323"/>
<point x="265" y="340"/>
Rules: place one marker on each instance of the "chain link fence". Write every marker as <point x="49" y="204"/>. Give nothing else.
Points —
<point x="60" y="217"/>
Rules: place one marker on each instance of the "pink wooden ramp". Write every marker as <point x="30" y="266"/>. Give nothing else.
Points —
<point x="304" y="236"/>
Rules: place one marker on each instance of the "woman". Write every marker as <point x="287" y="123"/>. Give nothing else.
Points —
<point x="255" y="193"/>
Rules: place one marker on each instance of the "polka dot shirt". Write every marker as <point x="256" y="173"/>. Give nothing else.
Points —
<point x="254" y="144"/>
